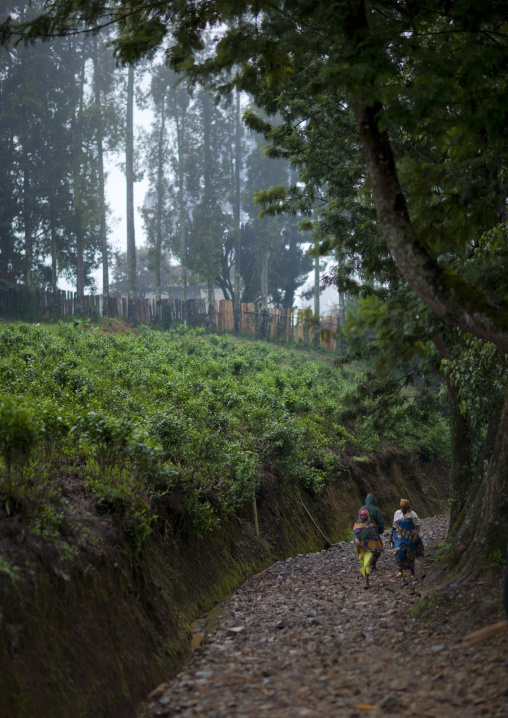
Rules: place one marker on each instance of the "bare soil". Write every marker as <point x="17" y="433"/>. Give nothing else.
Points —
<point x="304" y="638"/>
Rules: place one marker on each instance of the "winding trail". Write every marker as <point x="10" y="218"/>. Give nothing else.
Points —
<point x="305" y="639"/>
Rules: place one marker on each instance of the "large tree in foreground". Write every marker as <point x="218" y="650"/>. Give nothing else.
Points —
<point x="407" y="70"/>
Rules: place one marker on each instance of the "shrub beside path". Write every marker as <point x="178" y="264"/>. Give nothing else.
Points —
<point x="305" y="639"/>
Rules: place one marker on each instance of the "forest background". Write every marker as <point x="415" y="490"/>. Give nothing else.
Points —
<point x="66" y="107"/>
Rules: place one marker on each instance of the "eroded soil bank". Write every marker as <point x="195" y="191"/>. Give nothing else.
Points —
<point x="91" y="639"/>
<point x="305" y="639"/>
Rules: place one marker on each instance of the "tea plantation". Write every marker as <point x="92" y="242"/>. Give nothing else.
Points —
<point x="94" y="423"/>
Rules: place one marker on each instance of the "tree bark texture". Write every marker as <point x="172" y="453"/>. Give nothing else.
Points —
<point x="492" y="530"/>
<point x="462" y="456"/>
<point x="464" y="529"/>
<point x="129" y="177"/>
<point x="483" y="534"/>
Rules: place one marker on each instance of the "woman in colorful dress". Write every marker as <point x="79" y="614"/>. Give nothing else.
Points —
<point x="408" y="542"/>
<point x="367" y="542"/>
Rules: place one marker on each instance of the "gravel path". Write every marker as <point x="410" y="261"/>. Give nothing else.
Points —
<point x="305" y="639"/>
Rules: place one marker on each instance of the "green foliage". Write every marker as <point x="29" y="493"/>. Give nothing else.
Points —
<point x="8" y="569"/>
<point x="425" y="608"/>
<point x="176" y="419"/>
<point x="480" y="372"/>
<point x="19" y="434"/>
<point x="497" y="559"/>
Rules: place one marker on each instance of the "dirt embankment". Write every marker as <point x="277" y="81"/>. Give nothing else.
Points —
<point x="94" y="639"/>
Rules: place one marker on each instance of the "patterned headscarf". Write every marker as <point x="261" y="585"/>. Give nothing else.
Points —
<point x="404" y="503"/>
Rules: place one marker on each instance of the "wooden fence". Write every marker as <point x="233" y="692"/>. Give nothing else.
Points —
<point x="274" y="324"/>
<point x="279" y="324"/>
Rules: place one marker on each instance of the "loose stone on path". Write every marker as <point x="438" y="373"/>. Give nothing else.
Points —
<point x="304" y="639"/>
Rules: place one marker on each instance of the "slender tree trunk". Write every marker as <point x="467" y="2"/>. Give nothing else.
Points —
<point x="160" y="204"/>
<point x="208" y="195"/>
<point x="54" y="260"/>
<point x="264" y="292"/>
<point x="316" y="289"/>
<point x="290" y="287"/>
<point x="264" y="278"/>
<point x="77" y="151"/>
<point x="237" y="212"/>
<point x="317" y="311"/>
<point x="27" y="222"/>
<point x="212" y="318"/>
<point x="183" y="263"/>
<point x="180" y="136"/>
<point x="101" y="188"/>
<point x="342" y="307"/>
<point x="129" y="177"/>
<point x="342" y="319"/>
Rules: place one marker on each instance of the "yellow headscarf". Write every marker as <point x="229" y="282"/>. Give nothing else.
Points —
<point x="404" y="503"/>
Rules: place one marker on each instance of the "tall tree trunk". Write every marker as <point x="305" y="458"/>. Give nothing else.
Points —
<point x="317" y="320"/>
<point x="483" y="534"/>
<point x="316" y="289"/>
<point x="464" y="530"/>
<point x="342" y="307"/>
<point x="129" y="177"/>
<point x="264" y="278"/>
<point x="180" y="137"/>
<point x="27" y="223"/>
<point x="208" y="195"/>
<point x="462" y="456"/>
<point x="342" y="319"/>
<point x="101" y="188"/>
<point x="183" y="262"/>
<point x="160" y="204"/>
<point x="77" y="151"/>
<point x="264" y="292"/>
<point x="54" y="258"/>
<point x="290" y="287"/>
<point x="212" y="318"/>
<point x="492" y="532"/>
<point x="237" y="212"/>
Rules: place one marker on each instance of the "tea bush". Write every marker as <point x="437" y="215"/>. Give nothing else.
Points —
<point x="133" y="421"/>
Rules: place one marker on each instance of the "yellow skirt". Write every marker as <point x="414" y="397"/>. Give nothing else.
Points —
<point x="366" y="558"/>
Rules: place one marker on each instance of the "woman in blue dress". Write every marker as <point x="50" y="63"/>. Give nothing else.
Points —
<point x="408" y="542"/>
